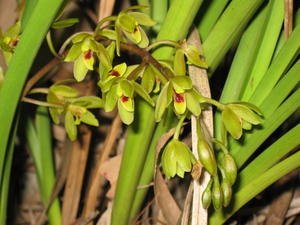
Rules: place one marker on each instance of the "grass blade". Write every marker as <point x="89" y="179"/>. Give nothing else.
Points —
<point x="270" y="156"/>
<point x="289" y="51"/>
<point x="5" y="178"/>
<point x="281" y="90"/>
<point x="209" y="14"/>
<point x="267" y="46"/>
<point x="20" y="65"/>
<point x="256" y="186"/>
<point x="227" y="29"/>
<point x="39" y="140"/>
<point x="241" y="65"/>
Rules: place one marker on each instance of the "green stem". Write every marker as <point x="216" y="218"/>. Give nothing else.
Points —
<point x="51" y="46"/>
<point x="178" y="127"/>
<point x="133" y="159"/>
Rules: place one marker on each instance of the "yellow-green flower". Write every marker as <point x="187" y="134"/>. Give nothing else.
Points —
<point x="177" y="159"/>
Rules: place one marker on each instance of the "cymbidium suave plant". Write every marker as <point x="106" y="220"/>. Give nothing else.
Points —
<point x="161" y="84"/>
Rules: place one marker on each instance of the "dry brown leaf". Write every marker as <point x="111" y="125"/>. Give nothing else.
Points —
<point x="105" y="8"/>
<point x="165" y="200"/>
<point x="8" y="13"/>
<point x="105" y="217"/>
<point x="110" y="171"/>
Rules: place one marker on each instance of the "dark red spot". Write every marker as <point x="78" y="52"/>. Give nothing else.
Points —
<point x="14" y="42"/>
<point x="87" y="54"/>
<point x="115" y="73"/>
<point x="135" y="30"/>
<point x="124" y="98"/>
<point x="179" y="98"/>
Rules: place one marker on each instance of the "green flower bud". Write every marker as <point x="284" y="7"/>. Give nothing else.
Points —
<point x="206" y="157"/>
<point x="176" y="159"/>
<point x="229" y="167"/>
<point x="217" y="194"/>
<point x="207" y="195"/>
<point x="227" y="192"/>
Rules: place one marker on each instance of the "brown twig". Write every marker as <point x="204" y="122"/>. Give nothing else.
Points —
<point x="42" y="72"/>
<point x="134" y="73"/>
<point x="136" y="221"/>
<point x="145" y="55"/>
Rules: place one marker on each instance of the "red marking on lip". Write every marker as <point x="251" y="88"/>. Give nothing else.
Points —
<point x="87" y="54"/>
<point x="115" y="73"/>
<point x="14" y="42"/>
<point x="124" y="98"/>
<point x="179" y="98"/>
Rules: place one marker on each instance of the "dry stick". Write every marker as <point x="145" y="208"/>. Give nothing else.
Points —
<point x="288" y="18"/>
<point x="200" y="82"/>
<point x="146" y="56"/>
<point x="136" y="222"/>
<point x="105" y="8"/>
<point x="187" y="205"/>
<point x="94" y="187"/>
<point x="42" y="72"/>
<point x="80" y="149"/>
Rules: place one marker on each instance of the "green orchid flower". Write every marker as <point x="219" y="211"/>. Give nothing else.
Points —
<point x="129" y="23"/>
<point x="240" y="115"/>
<point x="82" y="52"/>
<point x="118" y="90"/>
<point x="73" y="106"/>
<point x="9" y="40"/>
<point x="180" y="91"/>
<point x="177" y="159"/>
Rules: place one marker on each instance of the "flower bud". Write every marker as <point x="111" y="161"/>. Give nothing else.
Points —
<point x="230" y="168"/>
<point x="206" y="196"/>
<point x="207" y="157"/>
<point x="227" y="192"/>
<point x="217" y="194"/>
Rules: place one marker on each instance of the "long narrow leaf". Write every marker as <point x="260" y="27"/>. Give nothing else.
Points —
<point x="289" y="51"/>
<point x="267" y="46"/>
<point x="241" y="65"/>
<point x="257" y="185"/>
<point x="227" y="29"/>
<point x="209" y="14"/>
<point x="281" y="90"/>
<point x="20" y="65"/>
<point x="5" y="177"/>
<point x="270" y="156"/>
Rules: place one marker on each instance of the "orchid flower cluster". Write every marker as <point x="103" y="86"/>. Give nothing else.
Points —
<point x="161" y="84"/>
